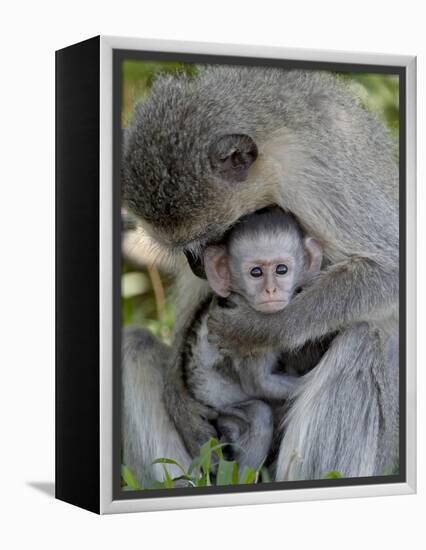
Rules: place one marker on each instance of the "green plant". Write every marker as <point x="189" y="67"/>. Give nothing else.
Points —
<point x="207" y="469"/>
<point x="333" y="474"/>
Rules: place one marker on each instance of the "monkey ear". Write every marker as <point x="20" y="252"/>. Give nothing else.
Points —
<point x="217" y="270"/>
<point x="313" y="256"/>
<point x="232" y="155"/>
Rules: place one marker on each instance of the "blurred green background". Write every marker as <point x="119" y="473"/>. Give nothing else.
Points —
<point x="146" y="299"/>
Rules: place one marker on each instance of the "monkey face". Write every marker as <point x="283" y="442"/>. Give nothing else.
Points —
<point x="269" y="284"/>
<point x="187" y="178"/>
<point x="266" y="278"/>
<point x="267" y="270"/>
<point x="191" y="203"/>
<point x="265" y="260"/>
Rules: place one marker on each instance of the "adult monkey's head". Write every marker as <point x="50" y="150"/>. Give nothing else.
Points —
<point x="201" y="153"/>
<point x="190" y="157"/>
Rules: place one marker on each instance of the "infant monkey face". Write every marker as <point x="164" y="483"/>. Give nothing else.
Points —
<point x="268" y="284"/>
<point x="265" y="259"/>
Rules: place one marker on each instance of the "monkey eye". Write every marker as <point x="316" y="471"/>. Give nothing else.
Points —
<point x="256" y="272"/>
<point x="281" y="269"/>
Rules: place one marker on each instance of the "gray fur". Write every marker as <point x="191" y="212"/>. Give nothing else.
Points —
<point x="346" y="378"/>
<point x="148" y="432"/>
<point x="333" y="165"/>
<point x="249" y="426"/>
<point x="232" y="386"/>
<point x="271" y="222"/>
<point x="229" y="381"/>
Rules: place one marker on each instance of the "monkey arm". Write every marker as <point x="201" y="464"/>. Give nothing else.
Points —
<point x="349" y="292"/>
<point x="258" y="380"/>
<point x="272" y="386"/>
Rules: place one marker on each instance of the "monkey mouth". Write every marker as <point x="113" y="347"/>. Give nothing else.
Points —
<point x="271" y="306"/>
<point x="196" y="263"/>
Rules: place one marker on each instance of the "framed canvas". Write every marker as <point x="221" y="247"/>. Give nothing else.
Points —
<point x="235" y="289"/>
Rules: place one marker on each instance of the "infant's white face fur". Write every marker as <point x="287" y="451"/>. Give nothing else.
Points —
<point x="267" y="269"/>
<point x="265" y="261"/>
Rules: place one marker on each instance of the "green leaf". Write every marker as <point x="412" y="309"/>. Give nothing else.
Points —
<point x="333" y="474"/>
<point x="206" y="451"/>
<point x="168" y="482"/>
<point x="266" y="478"/>
<point x="169" y="461"/>
<point x="205" y="455"/>
<point x="194" y="465"/>
<point x="217" y="447"/>
<point x="203" y="460"/>
<point x="129" y="479"/>
<point x="157" y="485"/>
<point x="227" y="473"/>
<point x="248" y="475"/>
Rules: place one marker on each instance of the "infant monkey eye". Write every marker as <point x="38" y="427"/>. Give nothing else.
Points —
<point x="256" y="272"/>
<point x="281" y="269"/>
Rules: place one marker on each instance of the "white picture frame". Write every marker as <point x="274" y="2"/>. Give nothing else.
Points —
<point x="108" y="503"/>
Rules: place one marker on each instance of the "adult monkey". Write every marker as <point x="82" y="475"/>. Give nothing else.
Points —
<point x="202" y="153"/>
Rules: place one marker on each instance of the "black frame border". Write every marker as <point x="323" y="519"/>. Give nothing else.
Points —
<point x="77" y="400"/>
<point x="119" y="55"/>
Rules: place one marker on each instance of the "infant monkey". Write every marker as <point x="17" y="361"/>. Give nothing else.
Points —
<point x="266" y="259"/>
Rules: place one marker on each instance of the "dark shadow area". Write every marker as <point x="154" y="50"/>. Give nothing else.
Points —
<point x="46" y="487"/>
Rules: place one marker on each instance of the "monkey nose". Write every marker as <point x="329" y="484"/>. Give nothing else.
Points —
<point x="271" y="290"/>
